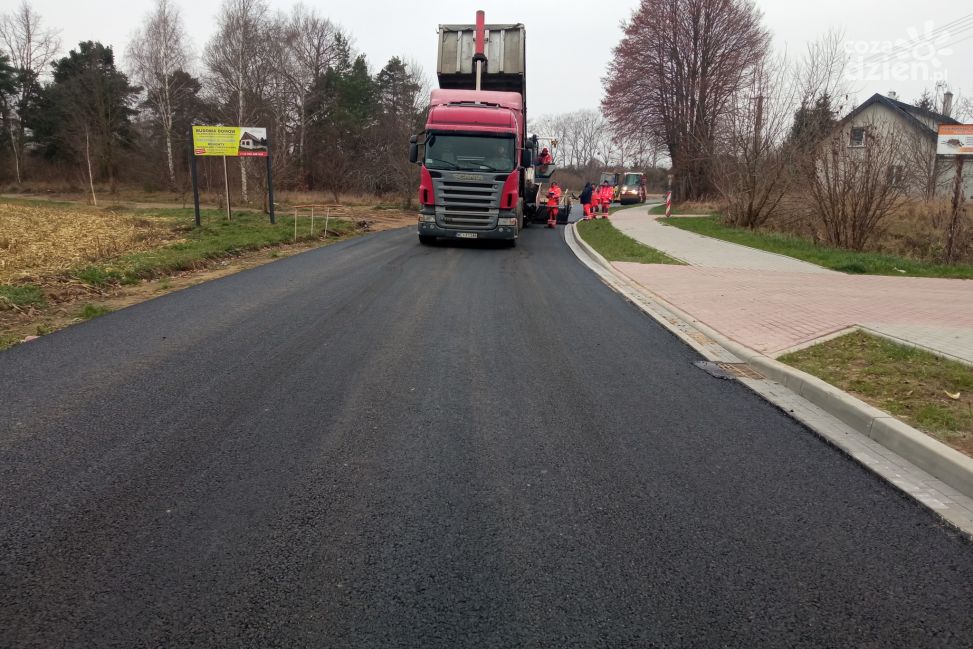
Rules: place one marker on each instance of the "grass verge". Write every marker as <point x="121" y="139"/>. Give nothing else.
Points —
<point x="19" y="296"/>
<point x="845" y="261"/>
<point x="615" y="246"/>
<point x="911" y="384"/>
<point x="89" y="311"/>
<point x="217" y="238"/>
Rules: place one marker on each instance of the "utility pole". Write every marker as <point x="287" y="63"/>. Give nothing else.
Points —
<point x="952" y="233"/>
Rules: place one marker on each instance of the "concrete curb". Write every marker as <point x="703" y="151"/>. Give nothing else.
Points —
<point x="937" y="459"/>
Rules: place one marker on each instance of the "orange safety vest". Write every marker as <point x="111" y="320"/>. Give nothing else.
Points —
<point x="553" y="196"/>
<point x="607" y="193"/>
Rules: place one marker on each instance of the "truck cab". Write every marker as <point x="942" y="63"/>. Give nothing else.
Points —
<point x="471" y="179"/>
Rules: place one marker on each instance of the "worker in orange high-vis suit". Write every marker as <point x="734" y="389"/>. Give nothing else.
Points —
<point x="606" y="195"/>
<point x="545" y="158"/>
<point x="553" y="200"/>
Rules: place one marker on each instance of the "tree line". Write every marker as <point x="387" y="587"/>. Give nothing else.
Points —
<point x="761" y="131"/>
<point x="102" y="117"/>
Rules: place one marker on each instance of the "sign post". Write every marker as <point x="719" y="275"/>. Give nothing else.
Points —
<point x="231" y="141"/>
<point x="226" y="186"/>
<point x="956" y="142"/>
<point x="192" y="169"/>
<point x="270" y="187"/>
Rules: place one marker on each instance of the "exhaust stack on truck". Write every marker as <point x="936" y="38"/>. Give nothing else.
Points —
<point x="477" y="175"/>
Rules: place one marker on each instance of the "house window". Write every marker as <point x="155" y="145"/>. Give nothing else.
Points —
<point x="857" y="136"/>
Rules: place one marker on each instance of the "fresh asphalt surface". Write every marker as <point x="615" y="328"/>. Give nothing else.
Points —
<point x="379" y="444"/>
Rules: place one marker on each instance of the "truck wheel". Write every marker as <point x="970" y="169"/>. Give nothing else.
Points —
<point x="427" y="240"/>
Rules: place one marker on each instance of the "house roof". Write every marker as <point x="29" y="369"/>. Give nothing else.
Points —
<point x="908" y="111"/>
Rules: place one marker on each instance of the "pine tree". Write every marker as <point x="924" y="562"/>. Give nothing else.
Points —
<point x="813" y="123"/>
<point x="86" y="112"/>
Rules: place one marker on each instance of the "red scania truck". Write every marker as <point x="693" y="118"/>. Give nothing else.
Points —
<point x="477" y="179"/>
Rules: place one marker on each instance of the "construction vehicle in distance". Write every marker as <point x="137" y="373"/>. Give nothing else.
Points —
<point x="478" y="178"/>
<point x="629" y="186"/>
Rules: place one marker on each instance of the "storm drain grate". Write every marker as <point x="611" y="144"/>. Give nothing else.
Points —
<point x="728" y="371"/>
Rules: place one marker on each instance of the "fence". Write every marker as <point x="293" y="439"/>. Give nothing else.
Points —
<point x="310" y="209"/>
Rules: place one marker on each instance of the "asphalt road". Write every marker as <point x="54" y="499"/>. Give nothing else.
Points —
<point x="379" y="444"/>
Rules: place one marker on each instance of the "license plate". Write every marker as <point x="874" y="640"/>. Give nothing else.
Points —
<point x="466" y="235"/>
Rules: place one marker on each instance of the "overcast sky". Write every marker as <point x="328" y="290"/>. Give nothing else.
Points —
<point x="569" y="45"/>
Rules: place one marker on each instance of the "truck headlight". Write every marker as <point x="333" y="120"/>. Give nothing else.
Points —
<point x="507" y="220"/>
<point x="427" y="218"/>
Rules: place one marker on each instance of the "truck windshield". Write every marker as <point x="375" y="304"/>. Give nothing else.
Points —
<point x="470" y="152"/>
<point x="632" y="180"/>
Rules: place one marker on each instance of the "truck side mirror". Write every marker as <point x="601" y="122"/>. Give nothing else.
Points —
<point x="413" y="149"/>
<point x="526" y="158"/>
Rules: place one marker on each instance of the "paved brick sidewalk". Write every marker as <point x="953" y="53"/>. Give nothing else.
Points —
<point x="772" y="303"/>
<point x="698" y="250"/>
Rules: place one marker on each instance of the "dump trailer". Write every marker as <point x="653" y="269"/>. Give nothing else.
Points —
<point x="477" y="161"/>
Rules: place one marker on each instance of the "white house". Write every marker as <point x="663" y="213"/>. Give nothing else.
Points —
<point x="923" y="174"/>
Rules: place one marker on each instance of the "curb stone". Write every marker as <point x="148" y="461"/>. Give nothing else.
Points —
<point x="952" y="471"/>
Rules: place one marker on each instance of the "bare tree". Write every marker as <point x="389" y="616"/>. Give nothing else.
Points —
<point x="854" y="188"/>
<point x="591" y="137"/>
<point x="675" y="72"/>
<point x="783" y="111"/>
<point x="30" y="48"/>
<point x="156" y="52"/>
<point x="925" y="174"/>
<point x="823" y="70"/>
<point x="750" y="169"/>
<point x="964" y="110"/>
<point x="235" y="57"/>
<point x="581" y="135"/>
<point x="310" y="49"/>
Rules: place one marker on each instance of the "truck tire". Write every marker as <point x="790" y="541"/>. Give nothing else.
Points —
<point x="427" y="240"/>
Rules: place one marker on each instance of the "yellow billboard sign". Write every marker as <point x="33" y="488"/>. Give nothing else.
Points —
<point x="233" y="141"/>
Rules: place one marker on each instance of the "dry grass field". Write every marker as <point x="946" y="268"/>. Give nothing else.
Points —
<point x="38" y="240"/>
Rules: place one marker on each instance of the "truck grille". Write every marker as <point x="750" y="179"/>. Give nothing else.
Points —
<point x="466" y="204"/>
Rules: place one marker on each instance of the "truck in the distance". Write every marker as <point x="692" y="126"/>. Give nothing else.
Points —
<point x="477" y="177"/>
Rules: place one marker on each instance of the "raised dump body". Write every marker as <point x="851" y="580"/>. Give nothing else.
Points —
<point x="504" y="49"/>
